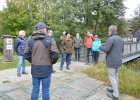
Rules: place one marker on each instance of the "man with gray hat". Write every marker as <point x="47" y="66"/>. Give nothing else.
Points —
<point x="38" y="52"/>
<point x="114" y="50"/>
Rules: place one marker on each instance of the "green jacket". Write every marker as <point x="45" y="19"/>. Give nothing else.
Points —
<point x="78" y="42"/>
<point x="67" y="45"/>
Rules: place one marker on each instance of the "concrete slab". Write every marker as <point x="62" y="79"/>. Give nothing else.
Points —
<point x="8" y="86"/>
<point x="18" y="94"/>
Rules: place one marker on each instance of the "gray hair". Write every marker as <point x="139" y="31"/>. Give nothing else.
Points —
<point x="50" y="31"/>
<point x="21" y="32"/>
<point x="113" y="29"/>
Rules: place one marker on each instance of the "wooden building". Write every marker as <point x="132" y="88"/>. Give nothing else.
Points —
<point x="136" y="34"/>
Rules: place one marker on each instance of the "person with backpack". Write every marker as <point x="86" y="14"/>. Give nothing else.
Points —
<point x="88" y="44"/>
<point x="67" y="46"/>
<point x="41" y="51"/>
<point x="77" y="45"/>
<point x="95" y="50"/>
<point x="19" y="47"/>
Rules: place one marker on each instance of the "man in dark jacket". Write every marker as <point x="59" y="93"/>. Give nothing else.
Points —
<point x="114" y="50"/>
<point x="41" y="62"/>
<point x="19" y="47"/>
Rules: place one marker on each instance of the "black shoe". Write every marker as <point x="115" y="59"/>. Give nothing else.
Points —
<point x="67" y="68"/>
<point x="24" y="73"/>
<point x="18" y="74"/>
<point x="53" y="71"/>
<point x="61" y="68"/>
<point x="113" y="97"/>
<point x="109" y="90"/>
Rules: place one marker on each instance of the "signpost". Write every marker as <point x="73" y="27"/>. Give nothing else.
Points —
<point x="8" y="48"/>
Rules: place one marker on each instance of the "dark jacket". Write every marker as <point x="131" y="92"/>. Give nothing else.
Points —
<point x="19" y="45"/>
<point x="114" y="50"/>
<point x="78" y="42"/>
<point x="41" y="64"/>
<point x="67" y="45"/>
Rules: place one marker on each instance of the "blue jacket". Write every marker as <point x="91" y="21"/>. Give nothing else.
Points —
<point x="19" y="45"/>
<point x="95" y="45"/>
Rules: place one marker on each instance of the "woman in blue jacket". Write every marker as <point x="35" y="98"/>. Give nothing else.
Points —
<point x="95" y="50"/>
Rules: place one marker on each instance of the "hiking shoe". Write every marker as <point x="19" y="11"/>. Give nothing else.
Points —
<point x="53" y="71"/>
<point x="18" y="74"/>
<point x="61" y="68"/>
<point x="67" y="68"/>
<point x="109" y="90"/>
<point x="24" y="73"/>
<point x="113" y="97"/>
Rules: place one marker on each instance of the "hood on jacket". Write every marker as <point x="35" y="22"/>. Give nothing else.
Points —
<point x="38" y="34"/>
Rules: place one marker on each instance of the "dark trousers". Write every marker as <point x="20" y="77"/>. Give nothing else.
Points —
<point x="95" y="56"/>
<point x="77" y="54"/>
<point x="88" y="54"/>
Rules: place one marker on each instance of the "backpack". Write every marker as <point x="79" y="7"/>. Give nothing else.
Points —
<point x="54" y="55"/>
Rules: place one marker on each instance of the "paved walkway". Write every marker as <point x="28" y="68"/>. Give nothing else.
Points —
<point x="66" y="85"/>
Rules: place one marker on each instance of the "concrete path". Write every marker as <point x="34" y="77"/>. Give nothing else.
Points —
<point x="65" y="85"/>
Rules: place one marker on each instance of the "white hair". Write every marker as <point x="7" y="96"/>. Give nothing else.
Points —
<point x="21" y="32"/>
<point x="113" y="29"/>
<point x="50" y="31"/>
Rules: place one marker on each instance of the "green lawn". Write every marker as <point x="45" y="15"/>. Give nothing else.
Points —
<point x="129" y="80"/>
<point x="8" y="65"/>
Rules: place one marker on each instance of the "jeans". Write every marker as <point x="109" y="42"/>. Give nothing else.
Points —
<point x="95" y="56"/>
<point x="46" y="81"/>
<point x="88" y="54"/>
<point x="113" y="76"/>
<point x="66" y="57"/>
<point x="21" y="62"/>
<point x="77" y="53"/>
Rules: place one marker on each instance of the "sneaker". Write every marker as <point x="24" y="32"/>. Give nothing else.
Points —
<point x="67" y="68"/>
<point x="24" y="73"/>
<point x="113" y="97"/>
<point x="18" y="74"/>
<point x="61" y="68"/>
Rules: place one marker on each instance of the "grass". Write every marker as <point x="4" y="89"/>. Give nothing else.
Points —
<point x="129" y="80"/>
<point x="8" y="65"/>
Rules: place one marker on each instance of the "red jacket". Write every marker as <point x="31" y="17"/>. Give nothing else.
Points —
<point x="88" y="41"/>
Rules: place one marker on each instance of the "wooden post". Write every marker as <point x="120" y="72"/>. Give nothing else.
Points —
<point x="8" y="51"/>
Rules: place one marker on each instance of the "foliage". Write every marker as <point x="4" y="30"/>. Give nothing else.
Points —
<point x="128" y="79"/>
<point x="62" y="15"/>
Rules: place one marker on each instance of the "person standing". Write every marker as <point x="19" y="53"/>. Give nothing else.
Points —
<point x="38" y="52"/>
<point x="114" y="50"/>
<point x="67" y="46"/>
<point x="88" y="44"/>
<point x="77" y="46"/>
<point x="95" y="50"/>
<point x="19" y="47"/>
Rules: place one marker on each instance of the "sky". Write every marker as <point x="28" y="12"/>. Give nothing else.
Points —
<point x="130" y="4"/>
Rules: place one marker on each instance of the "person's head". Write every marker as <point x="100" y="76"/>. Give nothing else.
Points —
<point x="50" y="33"/>
<point x="22" y="33"/>
<point x="42" y="26"/>
<point x="64" y="33"/>
<point x="96" y="37"/>
<point x="88" y="33"/>
<point x="68" y="34"/>
<point x="77" y="35"/>
<point x="112" y="30"/>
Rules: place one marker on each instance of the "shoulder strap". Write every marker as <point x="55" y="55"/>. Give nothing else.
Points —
<point x="31" y="42"/>
<point x="47" y="42"/>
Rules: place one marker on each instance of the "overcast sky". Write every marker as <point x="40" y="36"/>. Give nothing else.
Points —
<point x="130" y="4"/>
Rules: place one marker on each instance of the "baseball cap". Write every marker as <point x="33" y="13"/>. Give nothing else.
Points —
<point x="41" y="25"/>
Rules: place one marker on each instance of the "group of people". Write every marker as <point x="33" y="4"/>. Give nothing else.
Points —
<point x="68" y="45"/>
<point x="41" y="51"/>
